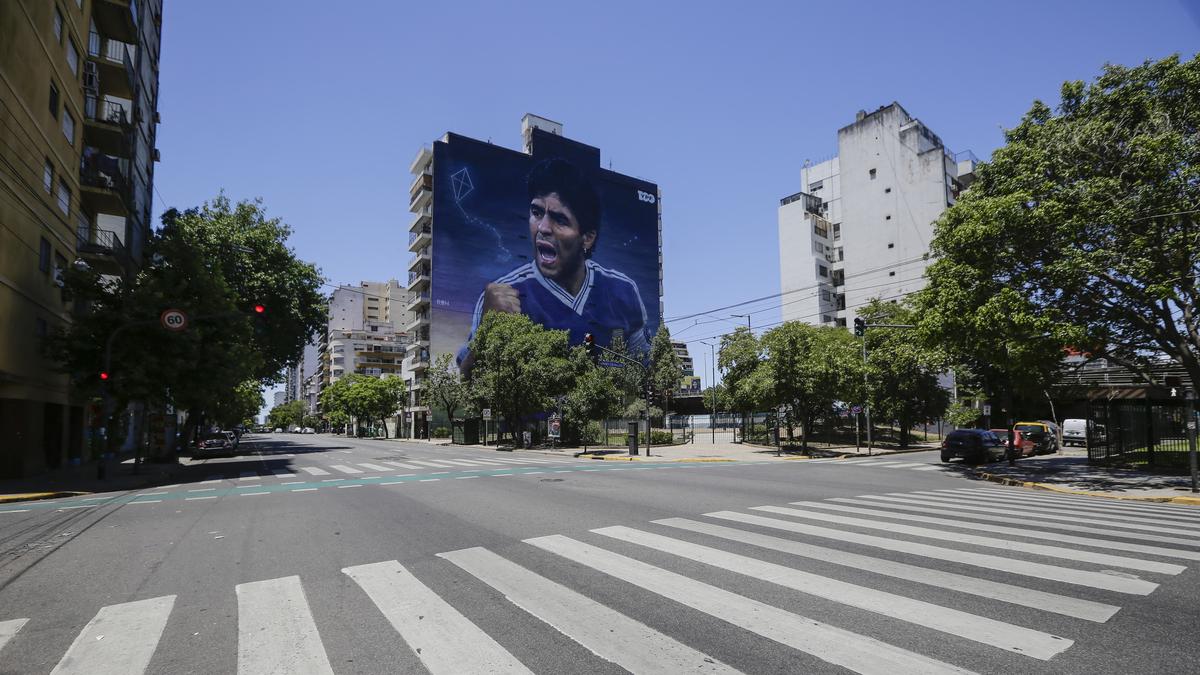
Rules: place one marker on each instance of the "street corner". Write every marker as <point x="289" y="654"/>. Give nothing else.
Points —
<point x="36" y="496"/>
<point x="1050" y="487"/>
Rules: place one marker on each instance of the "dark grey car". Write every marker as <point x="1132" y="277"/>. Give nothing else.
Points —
<point x="973" y="445"/>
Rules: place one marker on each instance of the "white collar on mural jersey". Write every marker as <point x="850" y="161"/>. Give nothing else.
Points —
<point x="575" y="302"/>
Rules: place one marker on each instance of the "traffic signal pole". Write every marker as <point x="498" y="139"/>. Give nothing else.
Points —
<point x="594" y="351"/>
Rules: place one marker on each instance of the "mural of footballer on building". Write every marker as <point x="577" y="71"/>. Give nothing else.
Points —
<point x="550" y="235"/>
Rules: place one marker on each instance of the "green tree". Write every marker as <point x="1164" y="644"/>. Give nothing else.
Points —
<point x="593" y="396"/>
<point x="387" y="397"/>
<point x="243" y="404"/>
<point x="716" y="398"/>
<point x="666" y="369"/>
<point x="286" y="415"/>
<point x="444" y="386"/>
<point x="747" y="380"/>
<point x="1080" y="231"/>
<point x="903" y="371"/>
<point x="810" y="368"/>
<point x="519" y="366"/>
<point x="348" y="398"/>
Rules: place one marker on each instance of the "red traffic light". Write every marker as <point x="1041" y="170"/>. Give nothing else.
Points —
<point x="259" y="309"/>
<point x="104" y="376"/>
<point x="589" y="339"/>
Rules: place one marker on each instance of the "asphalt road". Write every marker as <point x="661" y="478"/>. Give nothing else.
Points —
<point x="324" y="554"/>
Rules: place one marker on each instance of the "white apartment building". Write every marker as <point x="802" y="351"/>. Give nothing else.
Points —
<point x="861" y="225"/>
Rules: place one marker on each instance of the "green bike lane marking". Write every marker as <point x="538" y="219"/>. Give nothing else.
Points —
<point x="208" y="494"/>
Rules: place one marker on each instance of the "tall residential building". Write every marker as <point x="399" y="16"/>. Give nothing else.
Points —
<point x="685" y="359"/>
<point x="861" y="226"/>
<point x="474" y="218"/>
<point x="78" y="113"/>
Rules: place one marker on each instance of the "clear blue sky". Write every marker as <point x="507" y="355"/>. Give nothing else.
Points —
<point x="319" y="107"/>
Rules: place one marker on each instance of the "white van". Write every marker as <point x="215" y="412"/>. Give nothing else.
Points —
<point x="1076" y="432"/>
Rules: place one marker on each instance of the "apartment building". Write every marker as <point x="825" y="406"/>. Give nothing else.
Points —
<point x="685" y="358"/>
<point x="861" y="226"/>
<point x="78" y="113"/>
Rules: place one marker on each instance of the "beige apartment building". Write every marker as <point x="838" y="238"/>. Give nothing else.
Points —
<point x="78" y="102"/>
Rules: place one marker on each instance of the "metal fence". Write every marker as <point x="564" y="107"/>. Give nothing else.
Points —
<point x="1145" y="431"/>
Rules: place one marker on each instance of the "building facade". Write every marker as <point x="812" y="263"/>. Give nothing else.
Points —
<point x="78" y="114"/>
<point x="861" y="226"/>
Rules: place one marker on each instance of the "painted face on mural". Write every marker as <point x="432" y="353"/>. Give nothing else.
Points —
<point x="560" y="246"/>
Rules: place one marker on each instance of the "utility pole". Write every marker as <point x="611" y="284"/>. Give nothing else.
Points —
<point x="712" y="384"/>
<point x="1190" y="408"/>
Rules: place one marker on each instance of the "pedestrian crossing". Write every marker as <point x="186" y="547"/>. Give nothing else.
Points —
<point x="377" y="466"/>
<point x="883" y="463"/>
<point x="868" y="583"/>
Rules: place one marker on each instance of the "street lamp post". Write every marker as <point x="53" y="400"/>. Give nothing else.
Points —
<point x="712" y="408"/>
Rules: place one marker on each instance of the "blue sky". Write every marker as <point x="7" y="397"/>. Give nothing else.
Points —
<point x="319" y="107"/>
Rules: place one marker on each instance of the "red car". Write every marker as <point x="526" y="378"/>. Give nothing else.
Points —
<point x="1027" y="446"/>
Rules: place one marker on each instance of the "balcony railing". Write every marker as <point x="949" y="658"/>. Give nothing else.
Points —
<point x="412" y="236"/>
<point x="99" y="110"/>
<point x="97" y="169"/>
<point x="89" y="240"/>
<point x="416" y="274"/>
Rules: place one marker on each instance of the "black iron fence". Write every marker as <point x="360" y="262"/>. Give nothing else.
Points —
<point x="1144" y="431"/>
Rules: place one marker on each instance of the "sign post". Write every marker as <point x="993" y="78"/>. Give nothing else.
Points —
<point x="487" y="416"/>
<point x="1190" y="411"/>
<point x="174" y="320"/>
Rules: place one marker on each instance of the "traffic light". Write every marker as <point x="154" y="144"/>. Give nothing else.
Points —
<point x="103" y="375"/>
<point x="860" y="327"/>
<point x="259" y="309"/>
<point x="593" y="352"/>
<point x="260" y="319"/>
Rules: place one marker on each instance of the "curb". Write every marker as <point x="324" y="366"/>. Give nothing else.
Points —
<point x="1004" y="480"/>
<point x="37" y="496"/>
<point x="626" y="458"/>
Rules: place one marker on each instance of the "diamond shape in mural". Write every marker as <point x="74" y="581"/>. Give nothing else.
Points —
<point x="460" y="182"/>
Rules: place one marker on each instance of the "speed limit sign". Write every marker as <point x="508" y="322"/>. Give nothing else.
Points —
<point x="173" y="319"/>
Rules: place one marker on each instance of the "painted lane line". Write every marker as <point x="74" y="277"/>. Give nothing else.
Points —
<point x="469" y="462"/>
<point x="404" y="475"/>
<point x="983" y="560"/>
<point x="276" y="631"/>
<point x="457" y="462"/>
<point x="144" y="501"/>
<point x="344" y="469"/>
<point x="248" y="494"/>
<point x="629" y="644"/>
<point x="249" y="475"/>
<point x="120" y="639"/>
<point x="202" y="490"/>
<point x="293" y="482"/>
<point x="14" y="510"/>
<point x="1017" y="595"/>
<point x="465" y="477"/>
<point x="882" y="463"/>
<point x="1015" y="531"/>
<point x="986" y="505"/>
<point x="152" y="494"/>
<point x="193" y="499"/>
<point x="499" y="475"/>
<point x="402" y="465"/>
<point x="999" y="634"/>
<point x="910" y="465"/>
<point x="445" y="641"/>
<point x="395" y="482"/>
<point x="333" y="480"/>
<point x="429" y="463"/>
<point x="428" y="480"/>
<point x="373" y="467"/>
<point x="8" y="629"/>
<point x="81" y="506"/>
<point x="439" y="473"/>
<point x="928" y="467"/>
<point x="314" y="471"/>
<point x="283" y="473"/>
<point x="530" y="473"/>
<point x="342" y="487"/>
<point x="975" y="540"/>
<point x="830" y="644"/>
<point x="303" y="490"/>
<point x="968" y="511"/>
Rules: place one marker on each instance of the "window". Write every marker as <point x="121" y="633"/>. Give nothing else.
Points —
<point x="68" y="126"/>
<point x="813" y="187"/>
<point x="872" y="174"/>
<point x="891" y="274"/>
<point x="58" y="23"/>
<point x="44" y="256"/>
<point x="40" y="327"/>
<point x="837" y="230"/>
<point x="891" y="245"/>
<point x="53" y="100"/>
<point x="826" y="295"/>
<point x="825" y="318"/>
<point x="48" y="176"/>
<point x="888" y="217"/>
<point x="822" y="270"/>
<point x="887" y="191"/>
<point x="64" y="197"/>
<point x="60" y="265"/>
<point x="72" y="57"/>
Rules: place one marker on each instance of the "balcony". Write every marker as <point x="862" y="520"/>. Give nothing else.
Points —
<point x="104" y="182"/>
<point x="419" y="239"/>
<point x="423" y="181"/>
<point x="419" y="361"/>
<point x="106" y="125"/>
<point x="418" y="302"/>
<point x="421" y="319"/>
<point x="418" y="280"/>
<point x="421" y="260"/>
<point x="114" y="66"/>
<point x="102" y="249"/>
<point x="423" y="220"/>
<point x="117" y="18"/>
<point x="422" y="199"/>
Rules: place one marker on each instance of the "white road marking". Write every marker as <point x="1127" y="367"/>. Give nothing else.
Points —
<point x="428" y="463"/>
<point x="975" y="540"/>
<point x="444" y="640"/>
<point x="83" y="506"/>
<point x="202" y="490"/>
<point x="1149" y="509"/>
<point x="1106" y="520"/>
<point x="986" y="561"/>
<point x="428" y="480"/>
<point x="402" y="465"/>
<point x="8" y="629"/>
<point x="373" y="467"/>
<point x="630" y="644"/>
<point x="145" y="501"/>
<point x="1155" y="508"/>
<point x="465" y="477"/>
<point x="303" y="490"/>
<point x="395" y="482"/>
<point x="247" y="494"/>
<point x="1017" y="595"/>
<point x="344" y="469"/>
<point x="283" y="473"/>
<point x="314" y="471"/>
<point x="836" y="646"/>
<point x="249" y="475"/>
<point x="119" y="640"/>
<point x="276" y="631"/>
<point x="192" y="499"/>
<point x="999" y="634"/>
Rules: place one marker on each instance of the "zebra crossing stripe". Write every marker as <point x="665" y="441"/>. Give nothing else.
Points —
<point x="1017" y="595"/>
<point x="630" y="644"/>
<point x="1107" y="520"/>
<point x="1006" y="636"/>
<point x="314" y="471"/>
<point x="374" y="467"/>
<point x="1095" y="510"/>
<point x="912" y="465"/>
<point x="929" y="467"/>
<point x="402" y="465"/>
<point x="998" y="529"/>
<point x="1148" y="510"/>
<point x="119" y="640"/>
<point x="873" y="463"/>
<point x="976" y="540"/>
<point x="249" y="475"/>
<point x="344" y="469"/>
<point x="833" y="645"/>
<point x="444" y="640"/>
<point x="968" y="510"/>
<point x="1155" y="508"/>
<point x="276" y="631"/>
<point x="8" y="629"/>
<point x="458" y="462"/>
<point x="467" y="462"/>
<point x="990" y="562"/>
<point x="427" y="463"/>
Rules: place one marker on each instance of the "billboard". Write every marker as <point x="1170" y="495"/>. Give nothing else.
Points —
<point x="550" y="235"/>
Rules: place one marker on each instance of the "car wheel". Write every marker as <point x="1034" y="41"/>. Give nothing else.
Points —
<point x="945" y="457"/>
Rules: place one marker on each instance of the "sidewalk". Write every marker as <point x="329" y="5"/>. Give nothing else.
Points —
<point x="718" y="452"/>
<point x="74" y="480"/>
<point x="1071" y="473"/>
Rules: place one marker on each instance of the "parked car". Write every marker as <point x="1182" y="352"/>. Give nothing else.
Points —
<point x="308" y="430"/>
<point x="1044" y="434"/>
<point x="278" y="430"/>
<point x="1026" y="445"/>
<point x="233" y="437"/>
<point x="1077" y="431"/>
<point x="214" y="443"/>
<point x="973" y="445"/>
